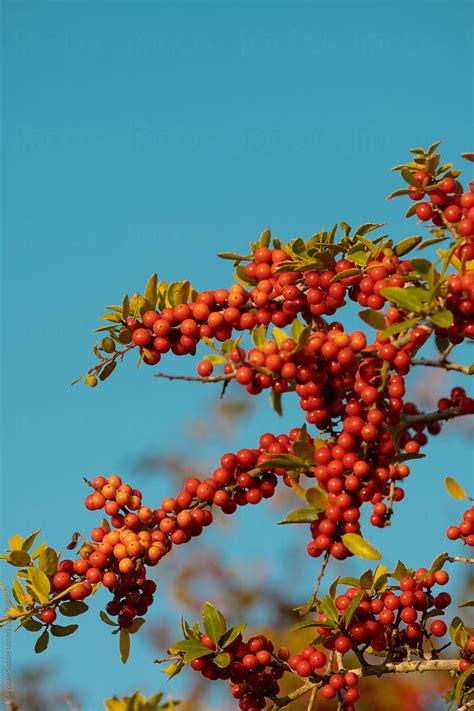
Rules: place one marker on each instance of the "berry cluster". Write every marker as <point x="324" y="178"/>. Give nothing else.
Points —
<point x="460" y="302"/>
<point x="397" y="618"/>
<point x="467" y="655"/>
<point x="446" y="205"/>
<point x="465" y="530"/>
<point x="252" y="672"/>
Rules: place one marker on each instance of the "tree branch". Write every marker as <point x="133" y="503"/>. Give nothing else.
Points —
<point x="196" y="378"/>
<point x="442" y="364"/>
<point x="436" y="416"/>
<point x="460" y="559"/>
<point x="420" y="666"/>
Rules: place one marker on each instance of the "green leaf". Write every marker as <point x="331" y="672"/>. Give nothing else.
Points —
<point x="411" y="298"/>
<point x="19" y="558"/>
<point x="400" y="571"/>
<point x="406" y="245"/>
<point x="63" y="630"/>
<point x="443" y="319"/>
<point x="177" y="293"/>
<point x="454" y="489"/>
<point x="29" y="540"/>
<point x="31" y="625"/>
<point x="397" y="193"/>
<point x="279" y="335"/>
<point x="115" y="704"/>
<point x="305" y="623"/>
<point x="73" y="608"/>
<point x="214" y="623"/>
<point x="265" y="237"/>
<point x="259" y="336"/>
<point x="438" y="562"/>
<point x="275" y="402"/>
<point x="317" y="498"/>
<point x="19" y="594"/>
<point x="458" y="693"/>
<point x="15" y="542"/>
<point x="399" y="327"/>
<point x="306" y="515"/>
<point x="421" y="266"/>
<point x="346" y="273"/>
<point x="242" y="279"/>
<point x="431" y="241"/>
<point x="299" y="332"/>
<point x="304" y="450"/>
<point x="173" y="669"/>
<point x="357" y="545"/>
<point x="105" y="618"/>
<point x="192" y="649"/>
<point x="215" y="359"/>
<point x="232" y="255"/>
<point x="232" y="634"/>
<point x="228" y="345"/>
<point x="455" y="630"/>
<point x="367" y="227"/>
<point x="42" y="642"/>
<point x="366" y="580"/>
<point x="125" y="307"/>
<point x="373" y="318"/>
<point x="351" y="609"/>
<point x="39" y="583"/>
<point x="351" y="581"/>
<point x="150" y="290"/>
<point x="48" y="561"/>
<point x="359" y="257"/>
<point x="124" y="645"/>
<point x="407" y="175"/>
<point x="108" y="370"/>
<point x="137" y="623"/>
<point x="329" y="608"/>
<point x="222" y="660"/>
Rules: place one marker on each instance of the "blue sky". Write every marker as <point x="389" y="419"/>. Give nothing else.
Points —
<point x="147" y="136"/>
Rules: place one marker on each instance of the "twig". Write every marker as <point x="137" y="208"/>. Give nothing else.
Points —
<point x="460" y="559"/>
<point x="312" y="700"/>
<point x="428" y="417"/>
<point x="196" y="378"/>
<point x="442" y="364"/>
<point x="310" y="604"/>
<point x="6" y="593"/>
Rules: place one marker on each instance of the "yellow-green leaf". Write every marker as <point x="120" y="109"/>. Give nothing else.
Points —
<point x="454" y="489"/>
<point x="124" y="645"/>
<point x="357" y="545"/>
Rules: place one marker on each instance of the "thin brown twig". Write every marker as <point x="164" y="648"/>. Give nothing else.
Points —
<point x="428" y="417"/>
<point x="196" y="378"/>
<point x="460" y="559"/>
<point x="310" y="604"/>
<point x="458" y="367"/>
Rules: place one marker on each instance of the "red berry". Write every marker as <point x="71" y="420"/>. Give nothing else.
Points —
<point x="424" y="211"/>
<point x="48" y="615"/>
<point x="438" y="628"/>
<point x="141" y="337"/>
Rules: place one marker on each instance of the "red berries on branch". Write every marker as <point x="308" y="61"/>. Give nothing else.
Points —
<point x="351" y="388"/>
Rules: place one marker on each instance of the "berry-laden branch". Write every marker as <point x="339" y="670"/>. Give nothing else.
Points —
<point x="274" y="329"/>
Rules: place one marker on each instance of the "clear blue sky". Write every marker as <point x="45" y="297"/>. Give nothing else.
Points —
<point x="143" y="136"/>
